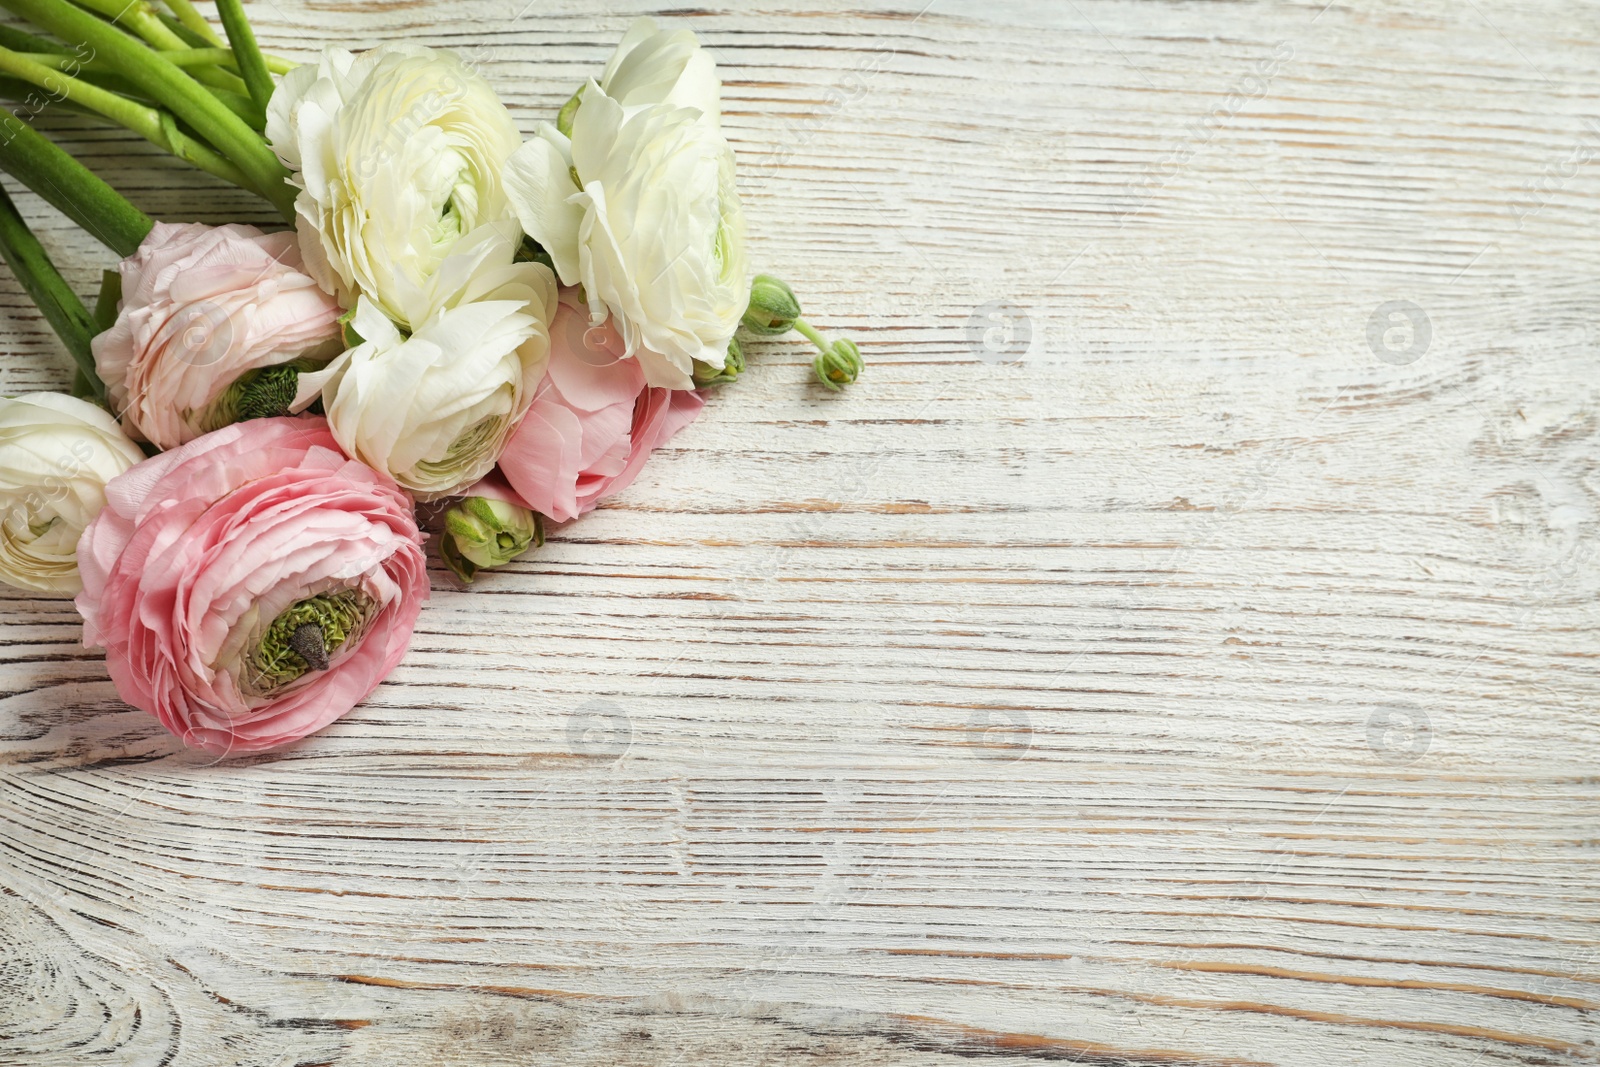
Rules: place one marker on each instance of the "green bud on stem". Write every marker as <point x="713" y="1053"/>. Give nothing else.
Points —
<point x="775" y="310"/>
<point x="706" y="374"/>
<point x="480" y="533"/>
<point x="838" y="365"/>
<point x="773" y="307"/>
<point x="839" y="362"/>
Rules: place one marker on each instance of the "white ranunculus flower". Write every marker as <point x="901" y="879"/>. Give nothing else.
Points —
<point x="398" y="152"/>
<point x="435" y="409"/>
<point x="56" y="455"/>
<point x="653" y="66"/>
<point x="652" y="227"/>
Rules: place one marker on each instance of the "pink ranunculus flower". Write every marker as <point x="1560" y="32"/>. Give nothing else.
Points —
<point x="593" y="421"/>
<point x="203" y="306"/>
<point x="253" y="585"/>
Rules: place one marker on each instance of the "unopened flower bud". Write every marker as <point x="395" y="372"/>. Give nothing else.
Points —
<point x="480" y="533"/>
<point x="773" y="307"/>
<point x="732" y="367"/>
<point x="839" y="364"/>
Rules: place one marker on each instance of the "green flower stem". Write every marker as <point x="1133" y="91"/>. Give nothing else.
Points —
<point x="224" y="85"/>
<point x="185" y="34"/>
<point x="838" y="363"/>
<point x="59" y="304"/>
<point x="230" y="135"/>
<point x="140" y="17"/>
<point x="152" y="125"/>
<point x="22" y="41"/>
<point x="27" y="94"/>
<point x="105" y="305"/>
<point x="64" y="60"/>
<point x="251" y="64"/>
<point x="194" y="57"/>
<point x="38" y="163"/>
<point x="240" y="104"/>
<point x="104" y="75"/>
<point x="820" y="340"/>
<point x="211" y="76"/>
<point x="195" y="21"/>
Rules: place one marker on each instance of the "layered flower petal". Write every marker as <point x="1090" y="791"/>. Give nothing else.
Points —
<point x="434" y="409"/>
<point x="56" y="455"/>
<point x="252" y="586"/>
<point x="640" y="206"/>
<point x="202" y="308"/>
<point x="654" y="66"/>
<point x="592" y="424"/>
<point x="398" y="153"/>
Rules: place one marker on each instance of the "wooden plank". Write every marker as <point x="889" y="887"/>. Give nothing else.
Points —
<point x="1178" y="648"/>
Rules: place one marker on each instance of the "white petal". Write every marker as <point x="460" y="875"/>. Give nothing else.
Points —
<point x="699" y="87"/>
<point x="538" y="182"/>
<point x="594" y="132"/>
<point x="641" y="31"/>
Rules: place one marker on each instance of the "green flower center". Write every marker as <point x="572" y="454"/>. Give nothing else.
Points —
<point x="450" y="226"/>
<point x="334" y="619"/>
<point x="263" y="393"/>
<point x="463" y="451"/>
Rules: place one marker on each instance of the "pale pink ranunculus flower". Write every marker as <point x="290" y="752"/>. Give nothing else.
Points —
<point x="201" y="552"/>
<point x="592" y="424"/>
<point x="201" y="306"/>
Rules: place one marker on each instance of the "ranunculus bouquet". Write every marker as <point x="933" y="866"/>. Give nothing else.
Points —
<point x="501" y="329"/>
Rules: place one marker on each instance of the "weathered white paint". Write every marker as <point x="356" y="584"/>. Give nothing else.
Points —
<point x="1008" y="711"/>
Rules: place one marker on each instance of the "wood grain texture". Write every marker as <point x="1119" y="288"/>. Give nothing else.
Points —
<point x="1169" y="653"/>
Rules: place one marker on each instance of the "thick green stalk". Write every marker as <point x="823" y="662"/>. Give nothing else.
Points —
<point x="39" y="164"/>
<point x="195" y="21"/>
<point x="27" y="95"/>
<point x="59" y="304"/>
<point x="275" y="64"/>
<point x="105" y="305"/>
<point x="215" y="77"/>
<point x="64" y="60"/>
<point x="142" y="18"/>
<point x="22" y="41"/>
<point x="194" y="57"/>
<point x="138" y="16"/>
<point x="241" y="105"/>
<point x="184" y="33"/>
<point x="147" y="122"/>
<point x="172" y="88"/>
<point x="243" y="40"/>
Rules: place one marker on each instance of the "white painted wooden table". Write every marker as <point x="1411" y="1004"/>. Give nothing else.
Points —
<point x="1179" y="648"/>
